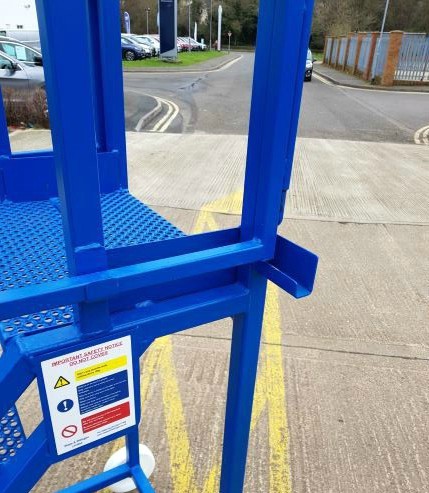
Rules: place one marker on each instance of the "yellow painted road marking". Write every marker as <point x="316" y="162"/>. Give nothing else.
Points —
<point x="270" y="392"/>
<point x="181" y="463"/>
<point x="278" y="433"/>
<point x="211" y="484"/>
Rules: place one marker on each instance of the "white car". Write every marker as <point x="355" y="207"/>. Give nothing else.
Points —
<point x="309" y="66"/>
<point x="151" y="41"/>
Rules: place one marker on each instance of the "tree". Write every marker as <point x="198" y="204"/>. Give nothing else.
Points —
<point x="339" y="17"/>
<point x="336" y="17"/>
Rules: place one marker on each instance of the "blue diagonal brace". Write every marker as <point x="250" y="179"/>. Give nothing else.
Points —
<point x="15" y="376"/>
<point x="21" y="475"/>
<point x="141" y="480"/>
<point x="100" y="481"/>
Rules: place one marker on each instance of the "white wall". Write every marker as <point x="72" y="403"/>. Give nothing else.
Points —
<point x="18" y="12"/>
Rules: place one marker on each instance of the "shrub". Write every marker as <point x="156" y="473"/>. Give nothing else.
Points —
<point x="31" y="111"/>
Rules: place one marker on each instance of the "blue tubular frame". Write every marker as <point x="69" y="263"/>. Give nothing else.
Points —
<point x="138" y="290"/>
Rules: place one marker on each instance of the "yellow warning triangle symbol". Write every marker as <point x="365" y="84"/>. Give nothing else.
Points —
<point x="61" y="382"/>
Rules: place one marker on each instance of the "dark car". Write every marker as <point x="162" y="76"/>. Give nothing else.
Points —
<point x="309" y="66"/>
<point x="131" y="51"/>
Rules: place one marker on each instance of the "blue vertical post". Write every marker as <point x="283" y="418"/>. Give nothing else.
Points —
<point x="74" y="133"/>
<point x="283" y="35"/>
<point x="107" y="62"/>
<point x="246" y="337"/>
<point x="277" y="88"/>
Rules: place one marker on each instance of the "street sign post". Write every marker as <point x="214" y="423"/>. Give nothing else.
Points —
<point x="147" y="10"/>
<point x="229" y="41"/>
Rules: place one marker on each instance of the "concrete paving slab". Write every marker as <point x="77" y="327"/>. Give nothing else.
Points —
<point x="333" y="180"/>
<point x="356" y="426"/>
<point x="372" y="284"/>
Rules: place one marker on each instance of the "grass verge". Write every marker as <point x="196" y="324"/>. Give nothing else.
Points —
<point x="184" y="60"/>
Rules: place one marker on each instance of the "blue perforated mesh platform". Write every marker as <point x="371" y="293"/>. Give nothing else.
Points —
<point x="32" y="248"/>
<point x="32" y="252"/>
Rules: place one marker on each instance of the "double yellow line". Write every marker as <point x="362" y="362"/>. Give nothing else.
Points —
<point x="270" y="393"/>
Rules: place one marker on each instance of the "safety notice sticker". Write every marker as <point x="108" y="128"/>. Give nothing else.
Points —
<point x="90" y="393"/>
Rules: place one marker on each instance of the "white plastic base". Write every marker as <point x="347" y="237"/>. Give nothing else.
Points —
<point x="147" y="462"/>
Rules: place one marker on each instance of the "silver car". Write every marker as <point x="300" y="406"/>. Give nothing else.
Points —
<point x="20" y="51"/>
<point x="19" y="80"/>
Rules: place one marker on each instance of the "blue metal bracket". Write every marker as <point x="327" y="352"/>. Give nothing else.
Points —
<point x="293" y="268"/>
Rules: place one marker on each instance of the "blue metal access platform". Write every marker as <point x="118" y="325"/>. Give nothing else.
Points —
<point x="90" y="276"/>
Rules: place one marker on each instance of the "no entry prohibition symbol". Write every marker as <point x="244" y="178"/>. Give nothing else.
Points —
<point x="69" y="431"/>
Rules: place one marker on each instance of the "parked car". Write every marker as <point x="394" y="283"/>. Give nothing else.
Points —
<point x="197" y="46"/>
<point x="133" y="40"/>
<point x="186" y="46"/>
<point x="20" y="79"/>
<point x="180" y="45"/>
<point x="26" y="36"/>
<point x="132" y="51"/>
<point x="20" y="51"/>
<point x="309" y="66"/>
<point x="151" y="41"/>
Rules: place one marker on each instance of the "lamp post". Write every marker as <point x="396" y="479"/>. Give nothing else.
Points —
<point x="219" y="28"/>
<point x="211" y="22"/>
<point x="377" y="50"/>
<point x="147" y="9"/>
<point x="189" y="25"/>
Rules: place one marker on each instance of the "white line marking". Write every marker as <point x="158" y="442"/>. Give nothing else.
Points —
<point x="172" y="111"/>
<point x="227" y="65"/>
<point x="167" y="120"/>
<point x="142" y="120"/>
<point x="172" y="118"/>
<point x="421" y="137"/>
<point x="166" y="117"/>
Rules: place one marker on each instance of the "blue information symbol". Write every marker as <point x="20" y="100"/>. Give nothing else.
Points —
<point x="65" y="405"/>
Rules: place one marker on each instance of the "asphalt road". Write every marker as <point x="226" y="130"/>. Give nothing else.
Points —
<point x="218" y="103"/>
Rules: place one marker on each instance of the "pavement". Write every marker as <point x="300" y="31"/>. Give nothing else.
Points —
<point x="341" y="401"/>
<point x="341" y="78"/>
